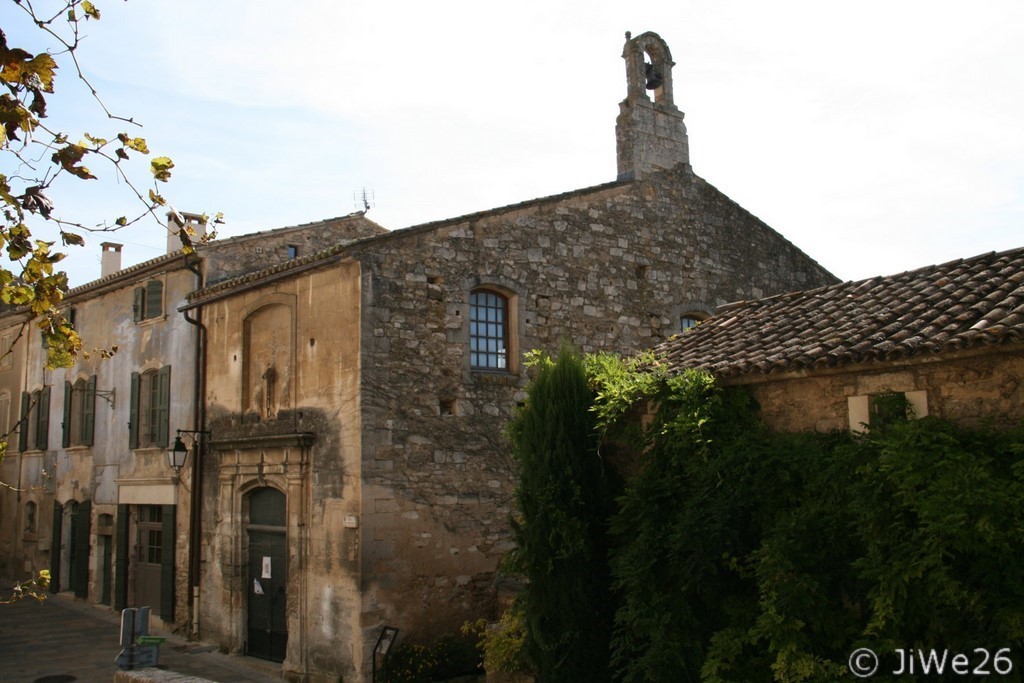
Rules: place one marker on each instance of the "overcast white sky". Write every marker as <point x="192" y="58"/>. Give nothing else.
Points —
<point x="877" y="136"/>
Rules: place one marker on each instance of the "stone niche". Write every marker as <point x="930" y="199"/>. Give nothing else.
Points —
<point x="268" y="349"/>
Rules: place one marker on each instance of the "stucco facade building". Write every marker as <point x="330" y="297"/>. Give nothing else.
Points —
<point x="95" y="503"/>
<point x="92" y="498"/>
<point x="357" y="473"/>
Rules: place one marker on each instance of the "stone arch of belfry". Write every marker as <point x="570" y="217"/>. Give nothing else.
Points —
<point x="648" y="48"/>
<point x="650" y="133"/>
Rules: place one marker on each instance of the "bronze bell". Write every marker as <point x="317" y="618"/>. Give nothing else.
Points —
<point x="653" y="77"/>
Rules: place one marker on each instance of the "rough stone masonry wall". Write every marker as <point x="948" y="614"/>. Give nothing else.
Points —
<point x="969" y="389"/>
<point x="607" y="269"/>
<point x="235" y="256"/>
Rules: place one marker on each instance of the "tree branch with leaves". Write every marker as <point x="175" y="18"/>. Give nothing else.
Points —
<point x="33" y="588"/>
<point x="33" y="156"/>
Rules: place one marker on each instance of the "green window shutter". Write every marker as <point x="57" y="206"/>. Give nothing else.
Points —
<point x="167" y="533"/>
<point x="154" y="299"/>
<point x="55" y="549"/>
<point x="26" y="402"/>
<point x="43" y="435"/>
<point x="121" y="559"/>
<point x="65" y="426"/>
<point x="133" y="412"/>
<point x="81" y="576"/>
<point x="163" y="411"/>
<point x="89" y="412"/>
<point x="139" y="304"/>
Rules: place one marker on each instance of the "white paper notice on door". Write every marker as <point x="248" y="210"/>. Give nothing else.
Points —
<point x="256" y="587"/>
<point x="266" y="568"/>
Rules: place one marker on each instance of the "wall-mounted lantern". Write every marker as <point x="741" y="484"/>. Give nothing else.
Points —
<point x="178" y="453"/>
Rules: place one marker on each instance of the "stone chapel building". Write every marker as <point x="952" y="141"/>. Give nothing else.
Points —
<point x="355" y="473"/>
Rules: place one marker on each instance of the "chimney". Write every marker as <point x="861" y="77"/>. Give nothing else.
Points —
<point x="110" y="261"/>
<point x="192" y="222"/>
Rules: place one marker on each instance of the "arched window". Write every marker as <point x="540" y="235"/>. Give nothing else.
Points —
<point x="267" y="507"/>
<point x="488" y="330"/>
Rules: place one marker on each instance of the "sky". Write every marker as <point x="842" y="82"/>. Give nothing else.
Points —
<point x="876" y="136"/>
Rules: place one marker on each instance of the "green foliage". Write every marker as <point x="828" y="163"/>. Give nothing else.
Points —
<point x="657" y="572"/>
<point x="450" y="657"/>
<point x="502" y="646"/>
<point x="743" y="555"/>
<point x="940" y="517"/>
<point x="563" y="505"/>
<point x="33" y="588"/>
<point x="888" y="408"/>
<point x="619" y="383"/>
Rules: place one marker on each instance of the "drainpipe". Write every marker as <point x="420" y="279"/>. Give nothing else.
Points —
<point x="199" y="420"/>
<point x="22" y="425"/>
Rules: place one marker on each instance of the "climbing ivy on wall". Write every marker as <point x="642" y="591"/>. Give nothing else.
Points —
<point x="741" y="554"/>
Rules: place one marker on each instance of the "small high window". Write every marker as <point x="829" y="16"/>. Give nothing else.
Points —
<point x="887" y="409"/>
<point x="148" y="302"/>
<point x="488" y="330"/>
<point x="880" y="410"/>
<point x="293" y="251"/>
<point x="688" y="321"/>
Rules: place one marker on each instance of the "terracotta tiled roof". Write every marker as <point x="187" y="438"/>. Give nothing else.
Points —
<point x="957" y="305"/>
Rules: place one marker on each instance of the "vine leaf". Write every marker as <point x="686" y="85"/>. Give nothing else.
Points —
<point x="91" y="12"/>
<point x="161" y="168"/>
<point x="70" y="159"/>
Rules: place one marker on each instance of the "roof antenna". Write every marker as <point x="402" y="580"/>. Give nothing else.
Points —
<point x="365" y="197"/>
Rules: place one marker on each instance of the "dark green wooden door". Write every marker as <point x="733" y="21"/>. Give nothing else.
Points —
<point x="267" y="575"/>
<point x="79" y="560"/>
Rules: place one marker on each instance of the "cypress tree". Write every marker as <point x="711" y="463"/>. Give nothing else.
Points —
<point x="563" y="506"/>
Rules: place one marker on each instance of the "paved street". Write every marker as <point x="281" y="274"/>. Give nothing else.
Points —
<point x="62" y="640"/>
